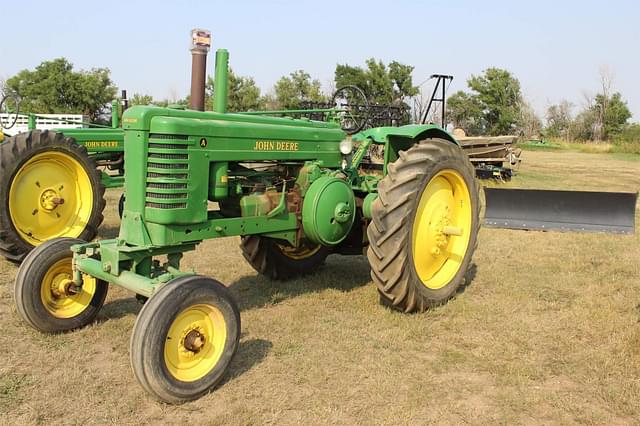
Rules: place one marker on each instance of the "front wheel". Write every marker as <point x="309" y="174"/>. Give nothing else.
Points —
<point x="43" y="291"/>
<point x="425" y="226"/>
<point x="184" y="339"/>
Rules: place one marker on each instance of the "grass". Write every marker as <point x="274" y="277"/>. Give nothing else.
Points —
<point x="548" y="332"/>
<point x="629" y="147"/>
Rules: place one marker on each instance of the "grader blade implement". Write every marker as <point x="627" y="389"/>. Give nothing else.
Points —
<point x="581" y="211"/>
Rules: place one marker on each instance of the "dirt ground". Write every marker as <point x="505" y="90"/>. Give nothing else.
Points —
<point x="547" y="332"/>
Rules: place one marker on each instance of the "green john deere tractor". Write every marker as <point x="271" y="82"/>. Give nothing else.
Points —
<point x="293" y="190"/>
<point x="52" y="182"/>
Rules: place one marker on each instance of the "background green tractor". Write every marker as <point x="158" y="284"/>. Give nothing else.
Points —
<point x="294" y="191"/>
<point x="52" y="182"/>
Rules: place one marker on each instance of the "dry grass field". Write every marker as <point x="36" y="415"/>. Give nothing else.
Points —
<point x="548" y="331"/>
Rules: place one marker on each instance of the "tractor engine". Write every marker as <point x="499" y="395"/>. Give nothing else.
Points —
<point x="178" y="168"/>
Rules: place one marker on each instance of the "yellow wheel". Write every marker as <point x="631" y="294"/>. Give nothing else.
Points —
<point x="441" y="229"/>
<point x="299" y="253"/>
<point x="278" y="260"/>
<point x="55" y="293"/>
<point x="195" y="342"/>
<point x="50" y="197"/>
<point x="52" y="190"/>
<point x="45" y="294"/>
<point x="425" y="225"/>
<point x="184" y="339"/>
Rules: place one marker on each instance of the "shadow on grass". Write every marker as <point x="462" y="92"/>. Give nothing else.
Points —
<point x="343" y="273"/>
<point x="250" y="353"/>
<point x="119" y="308"/>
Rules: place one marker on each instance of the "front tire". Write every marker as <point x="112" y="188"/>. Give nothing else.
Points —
<point x="42" y="294"/>
<point x="49" y="188"/>
<point x="425" y="226"/>
<point x="184" y="339"/>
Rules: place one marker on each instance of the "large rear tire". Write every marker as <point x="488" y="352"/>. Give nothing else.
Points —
<point x="42" y="294"/>
<point x="184" y="339"/>
<point x="425" y="226"/>
<point x="49" y="188"/>
<point x="276" y="260"/>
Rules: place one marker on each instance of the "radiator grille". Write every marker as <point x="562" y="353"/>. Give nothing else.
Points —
<point x="166" y="146"/>
<point x="166" y="205"/>
<point x="163" y="196"/>
<point x="152" y="165"/>
<point x="167" y="185"/>
<point x="167" y="171"/>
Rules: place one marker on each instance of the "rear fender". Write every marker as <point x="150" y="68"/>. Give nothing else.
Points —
<point x="396" y="139"/>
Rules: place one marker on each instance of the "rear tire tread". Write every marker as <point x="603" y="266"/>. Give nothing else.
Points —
<point x="389" y="233"/>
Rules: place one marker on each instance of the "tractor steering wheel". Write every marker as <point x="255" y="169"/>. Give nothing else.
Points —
<point x="352" y="108"/>
<point x="9" y="122"/>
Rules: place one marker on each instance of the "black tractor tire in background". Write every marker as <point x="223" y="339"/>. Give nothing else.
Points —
<point x="390" y="232"/>
<point x="269" y="257"/>
<point x="15" y="152"/>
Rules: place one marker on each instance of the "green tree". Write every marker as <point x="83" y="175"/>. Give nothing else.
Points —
<point x="54" y="87"/>
<point x="559" y="120"/>
<point x="381" y="84"/>
<point x="613" y="113"/>
<point x="528" y="123"/>
<point x="243" y="93"/>
<point x="499" y="94"/>
<point x="586" y="125"/>
<point x="297" y="87"/>
<point x="606" y="118"/>
<point x="139" y="99"/>
<point x="466" y="111"/>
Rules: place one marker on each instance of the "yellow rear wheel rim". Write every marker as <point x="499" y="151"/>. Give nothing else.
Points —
<point x="55" y="294"/>
<point x="442" y="229"/>
<point x="195" y="342"/>
<point x="50" y="196"/>
<point x="299" y="253"/>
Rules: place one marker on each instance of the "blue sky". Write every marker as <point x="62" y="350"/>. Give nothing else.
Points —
<point x="554" y="48"/>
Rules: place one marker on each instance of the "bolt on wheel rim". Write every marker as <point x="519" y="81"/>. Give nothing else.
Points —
<point x="55" y="292"/>
<point x="441" y="229"/>
<point x="50" y="196"/>
<point x="195" y="342"/>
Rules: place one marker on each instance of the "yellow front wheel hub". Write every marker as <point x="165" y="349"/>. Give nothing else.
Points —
<point x="195" y="342"/>
<point x="55" y="291"/>
<point x="50" y="196"/>
<point x="441" y="229"/>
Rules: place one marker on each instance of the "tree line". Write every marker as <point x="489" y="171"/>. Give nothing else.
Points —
<point x="492" y="105"/>
<point x="54" y="86"/>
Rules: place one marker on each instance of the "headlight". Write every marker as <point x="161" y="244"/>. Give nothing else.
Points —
<point x="346" y="146"/>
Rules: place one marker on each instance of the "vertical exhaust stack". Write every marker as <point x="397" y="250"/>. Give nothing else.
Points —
<point x="221" y="82"/>
<point x="200" y="44"/>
